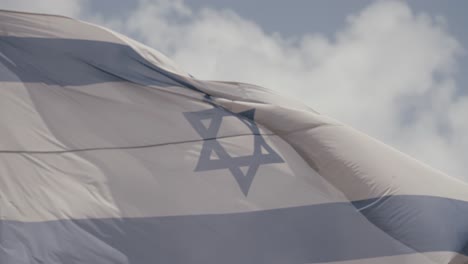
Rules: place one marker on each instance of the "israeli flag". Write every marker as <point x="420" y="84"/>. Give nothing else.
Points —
<point x="111" y="154"/>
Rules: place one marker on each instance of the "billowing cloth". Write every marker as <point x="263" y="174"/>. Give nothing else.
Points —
<point x="109" y="153"/>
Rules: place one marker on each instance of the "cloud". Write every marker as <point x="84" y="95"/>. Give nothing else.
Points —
<point x="70" y="8"/>
<point x="389" y="72"/>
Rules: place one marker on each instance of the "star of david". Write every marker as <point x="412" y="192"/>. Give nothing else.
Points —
<point x="262" y="152"/>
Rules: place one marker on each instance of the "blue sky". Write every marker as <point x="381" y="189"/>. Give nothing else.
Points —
<point x="396" y="70"/>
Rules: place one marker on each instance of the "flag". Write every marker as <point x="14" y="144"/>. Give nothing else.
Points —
<point x="110" y="153"/>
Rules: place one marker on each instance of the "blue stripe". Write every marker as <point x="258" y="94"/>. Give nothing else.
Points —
<point x="318" y="233"/>
<point x="75" y="62"/>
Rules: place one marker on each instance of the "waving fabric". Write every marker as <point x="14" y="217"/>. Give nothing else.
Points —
<point x="109" y="153"/>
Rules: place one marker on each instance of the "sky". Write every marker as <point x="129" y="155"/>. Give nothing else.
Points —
<point x="395" y="70"/>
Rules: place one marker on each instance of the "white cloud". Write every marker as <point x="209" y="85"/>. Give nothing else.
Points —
<point x="57" y="7"/>
<point x="388" y="72"/>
